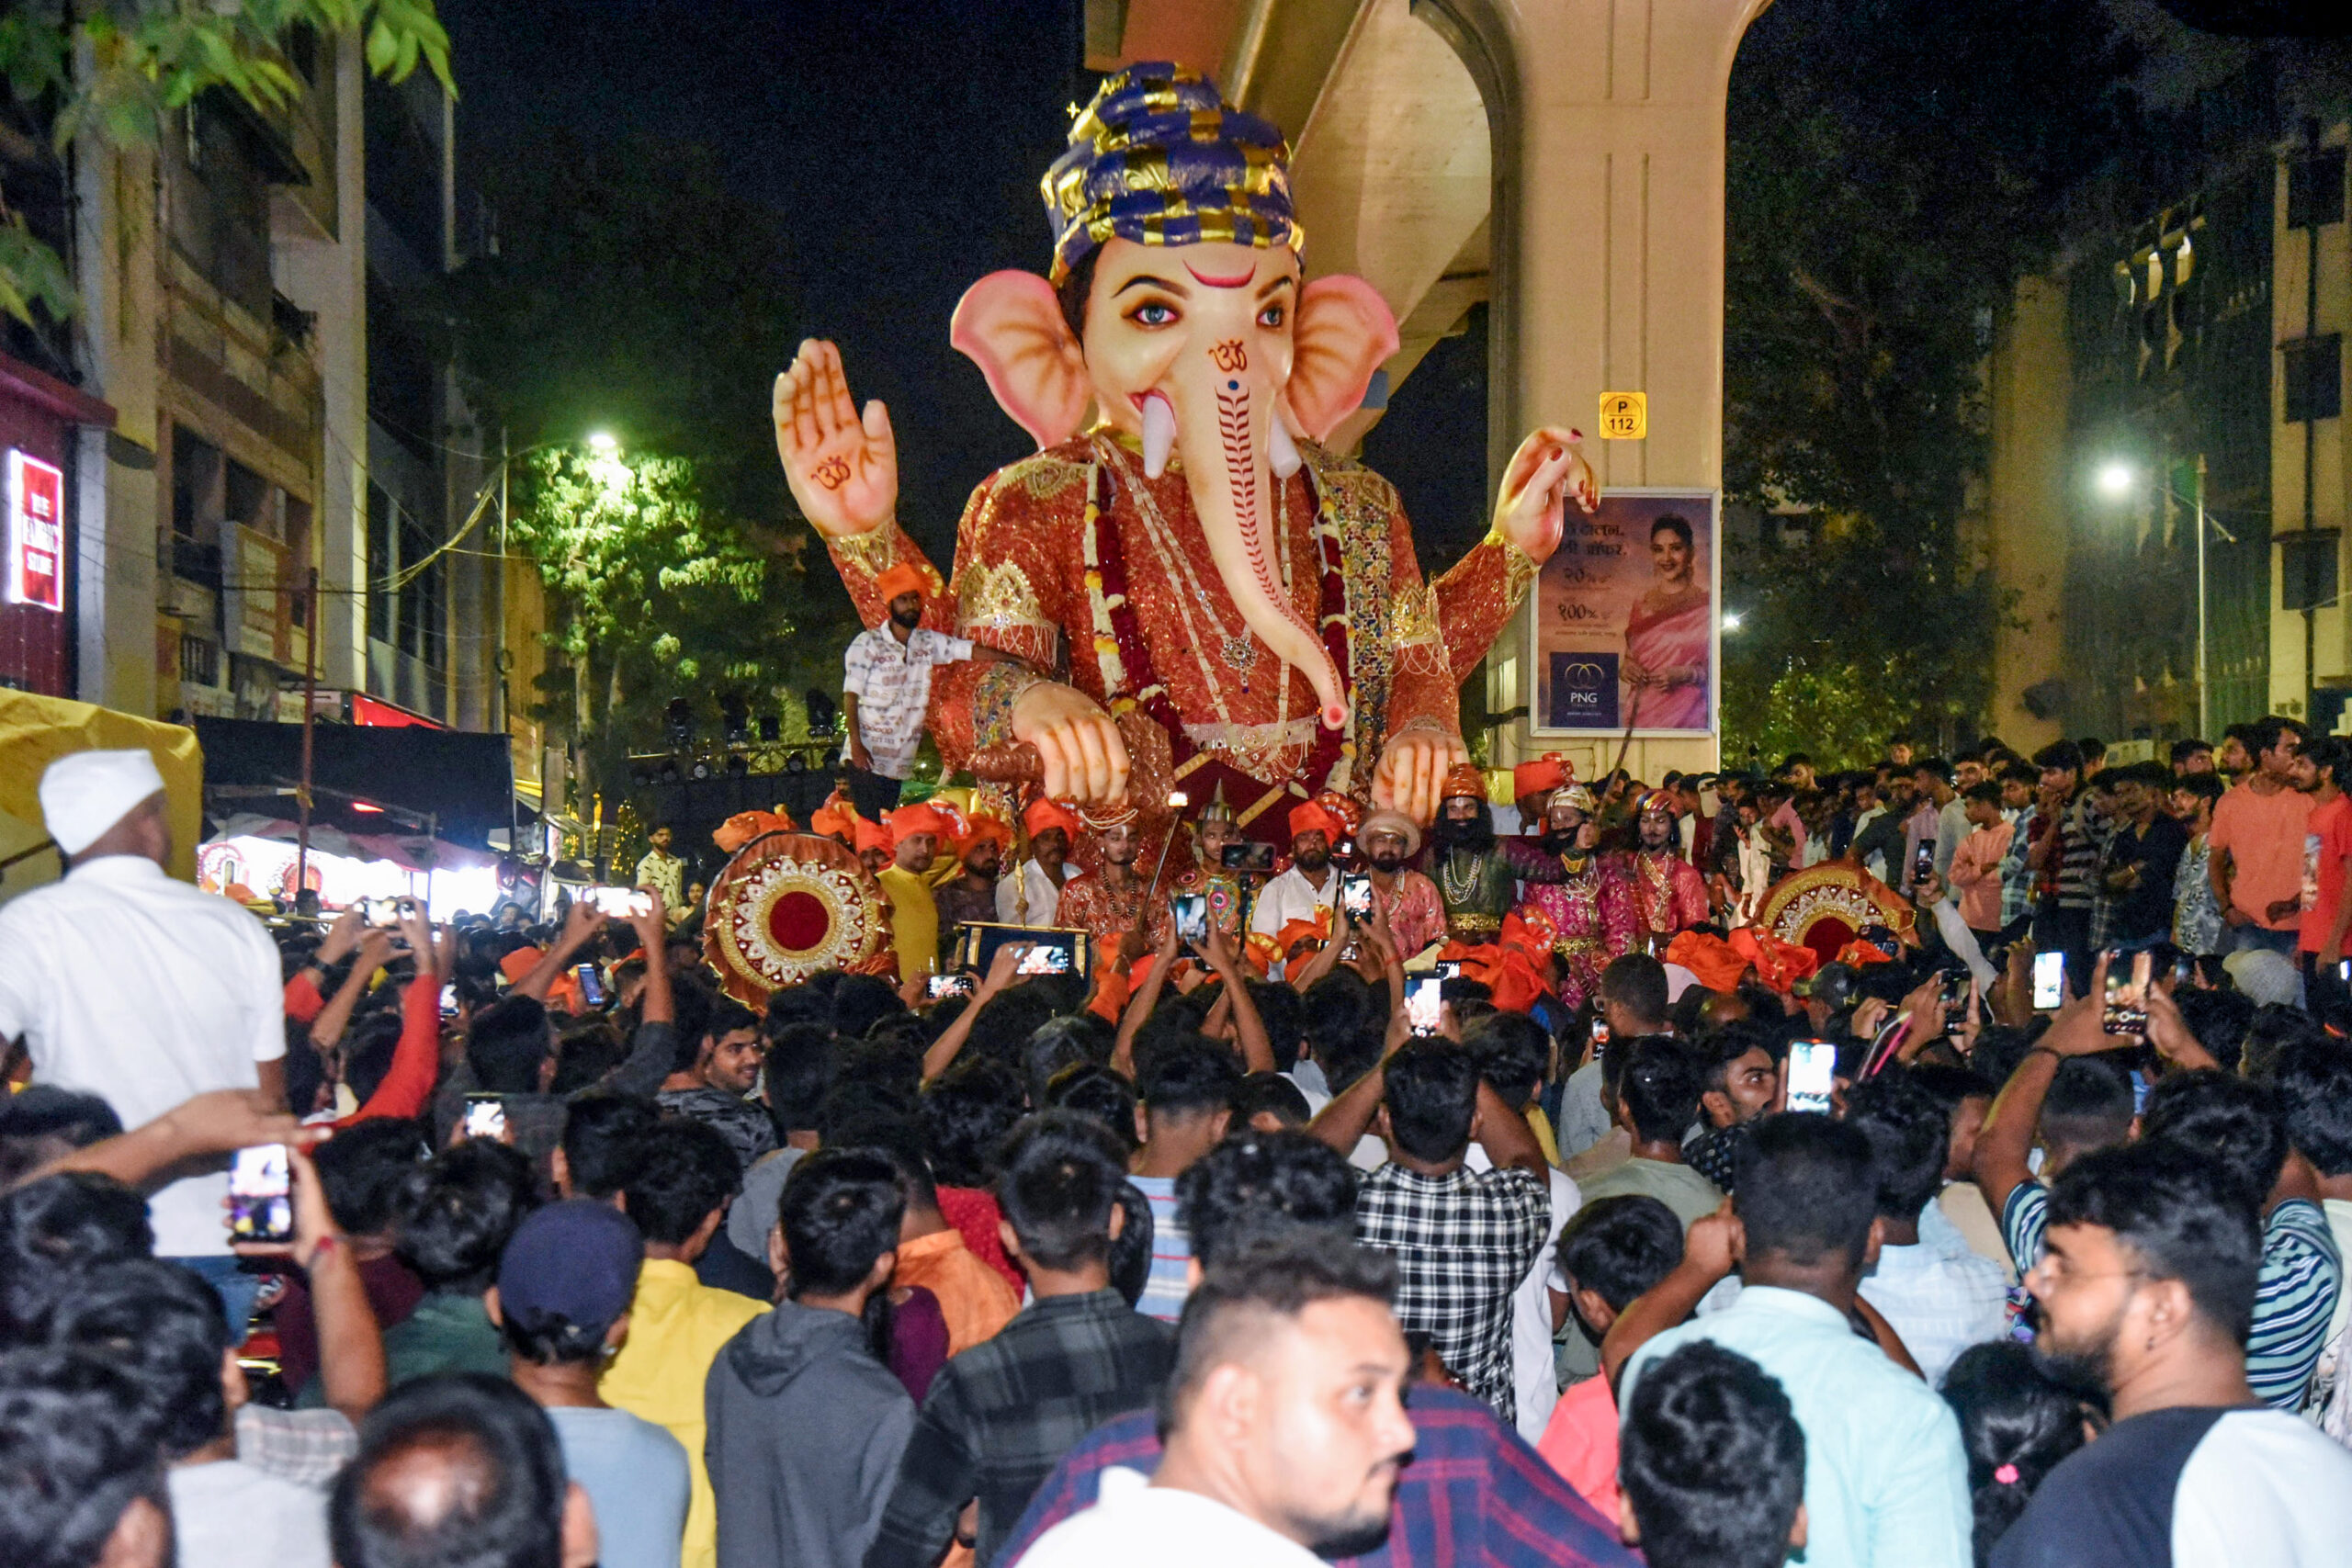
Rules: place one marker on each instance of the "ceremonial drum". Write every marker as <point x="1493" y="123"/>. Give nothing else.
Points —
<point x="789" y="905"/>
<point x="1828" y="905"/>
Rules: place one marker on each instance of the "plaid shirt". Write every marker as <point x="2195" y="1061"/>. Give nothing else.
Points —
<point x="2017" y="877"/>
<point x="1475" y="1495"/>
<point x="1001" y="1415"/>
<point x="308" y="1447"/>
<point x="1462" y="1242"/>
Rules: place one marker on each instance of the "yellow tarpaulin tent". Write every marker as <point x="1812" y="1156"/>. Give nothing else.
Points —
<point x="35" y="730"/>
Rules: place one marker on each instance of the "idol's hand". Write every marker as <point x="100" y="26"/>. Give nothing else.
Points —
<point x="844" y="471"/>
<point x="1548" y="467"/>
<point x="1086" y="763"/>
<point x="1412" y="770"/>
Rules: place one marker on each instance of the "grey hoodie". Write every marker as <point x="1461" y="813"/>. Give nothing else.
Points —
<point x="805" y="1431"/>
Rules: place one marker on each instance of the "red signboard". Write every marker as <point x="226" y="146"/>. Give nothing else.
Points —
<point x="36" y="533"/>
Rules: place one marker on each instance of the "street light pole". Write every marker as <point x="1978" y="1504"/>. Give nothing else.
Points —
<point x="2204" y="683"/>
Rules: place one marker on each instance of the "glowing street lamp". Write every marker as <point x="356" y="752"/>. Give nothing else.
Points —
<point x="2116" y="479"/>
<point x="1731" y="620"/>
<point x="601" y="441"/>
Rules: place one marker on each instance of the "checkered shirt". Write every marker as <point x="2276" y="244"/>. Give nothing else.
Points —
<point x="2017" y="877"/>
<point x="892" y="683"/>
<point x="1462" y="1242"/>
<point x="307" y="1447"/>
<point x="1001" y="1416"/>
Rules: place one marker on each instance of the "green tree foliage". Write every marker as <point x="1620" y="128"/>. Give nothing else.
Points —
<point x="147" y="57"/>
<point x="1894" y="166"/>
<point x="652" y="593"/>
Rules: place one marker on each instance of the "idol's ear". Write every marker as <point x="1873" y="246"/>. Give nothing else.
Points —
<point x="1345" y="330"/>
<point x="1010" y="324"/>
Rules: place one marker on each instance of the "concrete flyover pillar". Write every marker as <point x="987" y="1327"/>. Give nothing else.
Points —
<point x="1608" y="127"/>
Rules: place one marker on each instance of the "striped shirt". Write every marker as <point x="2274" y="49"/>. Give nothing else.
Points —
<point x="2294" y="1297"/>
<point x="1171" y="1251"/>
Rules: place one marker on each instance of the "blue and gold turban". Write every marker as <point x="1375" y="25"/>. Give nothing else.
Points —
<point x="1161" y="158"/>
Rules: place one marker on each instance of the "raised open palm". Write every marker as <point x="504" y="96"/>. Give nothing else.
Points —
<point x="843" y="471"/>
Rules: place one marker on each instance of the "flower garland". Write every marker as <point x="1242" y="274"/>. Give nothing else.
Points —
<point x="1129" y="678"/>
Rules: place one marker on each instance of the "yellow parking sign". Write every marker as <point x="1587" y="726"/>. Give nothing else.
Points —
<point x="1625" y="416"/>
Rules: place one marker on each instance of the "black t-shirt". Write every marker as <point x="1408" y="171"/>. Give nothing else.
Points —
<point x="2109" y="1504"/>
<point x="2146" y="909"/>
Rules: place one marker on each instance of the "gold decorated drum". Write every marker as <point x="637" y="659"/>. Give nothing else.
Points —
<point x="789" y="905"/>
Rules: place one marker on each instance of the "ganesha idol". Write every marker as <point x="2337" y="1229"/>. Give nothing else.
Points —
<point x="1224" y="605"/>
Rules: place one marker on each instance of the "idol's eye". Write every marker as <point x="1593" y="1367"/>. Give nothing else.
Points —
<point x="1271" y="316"/>
<point x="1153" y="313"/>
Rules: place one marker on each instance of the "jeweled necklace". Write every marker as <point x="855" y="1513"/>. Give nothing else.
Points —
<point x="1458" y="890"/>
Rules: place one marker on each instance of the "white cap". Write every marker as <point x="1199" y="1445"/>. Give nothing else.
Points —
<point x="2265" y="976"/>
<point x="85" y="793"/>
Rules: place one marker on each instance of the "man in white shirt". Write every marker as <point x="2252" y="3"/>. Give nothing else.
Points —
<point x="1940" y="1297"/>
<point x="1286" y="1422"/>
<point x="1312" y="882"/>
<point x="664" y="872"/>
<point x="1031" y="895"/>
<point x="140" y="989"/>
<point x="886" y="689"/>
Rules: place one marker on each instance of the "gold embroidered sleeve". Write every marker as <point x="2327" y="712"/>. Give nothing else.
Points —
<point x="1477" y="598"/>
<point x="862" y="558"/>
<point x="1016" y="531"/>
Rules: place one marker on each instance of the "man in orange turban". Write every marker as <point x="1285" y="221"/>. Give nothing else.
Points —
<point x="915" y="832"/>
<point x="1533" y="781"/>
<point x="886" y="686"/>
<point x="1312" y="883"/>
<point x="968" y="897"/>
<point x="1032" y="897"/>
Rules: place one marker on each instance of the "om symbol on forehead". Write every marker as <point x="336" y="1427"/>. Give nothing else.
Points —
<point x="1229" y="356"/>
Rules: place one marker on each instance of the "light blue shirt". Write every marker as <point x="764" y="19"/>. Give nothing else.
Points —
<point x="1885" y="1480"/>
<point x="634" y="1475"/>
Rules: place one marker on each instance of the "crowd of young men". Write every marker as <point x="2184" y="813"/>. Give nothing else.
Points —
<point x="1180" y="1261"/>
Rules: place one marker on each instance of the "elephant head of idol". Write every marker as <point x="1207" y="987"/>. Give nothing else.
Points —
<point x="1177" y="310"/>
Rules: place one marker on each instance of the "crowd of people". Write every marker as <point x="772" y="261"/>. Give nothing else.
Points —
<point x="1228" y="1247"/>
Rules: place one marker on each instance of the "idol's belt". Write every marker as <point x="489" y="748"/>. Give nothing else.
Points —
<point x="1569" y="946"/>
<point x="1473" y="922"/>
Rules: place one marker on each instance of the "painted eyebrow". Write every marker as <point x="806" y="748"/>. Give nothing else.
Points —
<point x="1283" y="282"/>
<point x="1148" y="278"/>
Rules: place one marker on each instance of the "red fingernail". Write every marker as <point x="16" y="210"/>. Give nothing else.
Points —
<point x="1557" y="454"/>
<point x="1576" y="434"/>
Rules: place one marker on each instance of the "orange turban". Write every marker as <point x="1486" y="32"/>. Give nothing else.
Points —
<point x="1317" y="930"/>
<point x="1544" y="773"/>
<point x="982" y="827"/>
<point x="745" y="826"/>
<point x="1310" y="817"/>
<point x="871" y="836"/>
<point x="908" y="821"/>
<point x="1463" y="779"/>
<point x="1043" y="814"/>
<point x="901" y="579"/>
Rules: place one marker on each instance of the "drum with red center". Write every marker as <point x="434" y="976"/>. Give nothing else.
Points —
<point x="789" y="905"/>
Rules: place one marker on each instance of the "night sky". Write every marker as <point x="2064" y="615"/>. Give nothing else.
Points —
<point x="904" y="141"/>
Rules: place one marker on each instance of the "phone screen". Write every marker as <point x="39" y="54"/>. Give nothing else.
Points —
<point x="1423" y="999"/>
<point x="1248" y="857"/>
<point x="1813" y="1065"/>
<point x="448" y="1001"/>
<point x="261" y="1188"/>
<point x="940" y="986"/>
<point x="1356" y="896"/>
<point x="383" y="912"/>
<point x="2049" y="981"/>
<point x="1191" y="913"/>
<point x="592" y="985"/>
<point x="621" y="903"/>
<point x="485" y="1117"/>
<point x="2125" y="1008"/>
<point x="1043" y="960"/>
<point x="1923" y="861"/>
<point x="1449" y="968"/>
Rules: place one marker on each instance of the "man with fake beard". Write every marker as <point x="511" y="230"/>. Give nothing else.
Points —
<point x="886" y="689"/>
<point x="1113" y="903"/>
<point x="1312" y="882"/>
<point x="2146" y="1289"/>
<point x="1581" y="893"/>
<point x="1669" y="895"/>
<point x="1477" y="874"/>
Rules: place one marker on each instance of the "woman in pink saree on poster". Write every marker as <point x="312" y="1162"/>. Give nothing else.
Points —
<point x="1667" y="637"/>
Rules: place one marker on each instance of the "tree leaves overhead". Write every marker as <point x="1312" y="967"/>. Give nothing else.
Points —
<point x="147" y="57"/>
<point x="1894" y="165"/>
